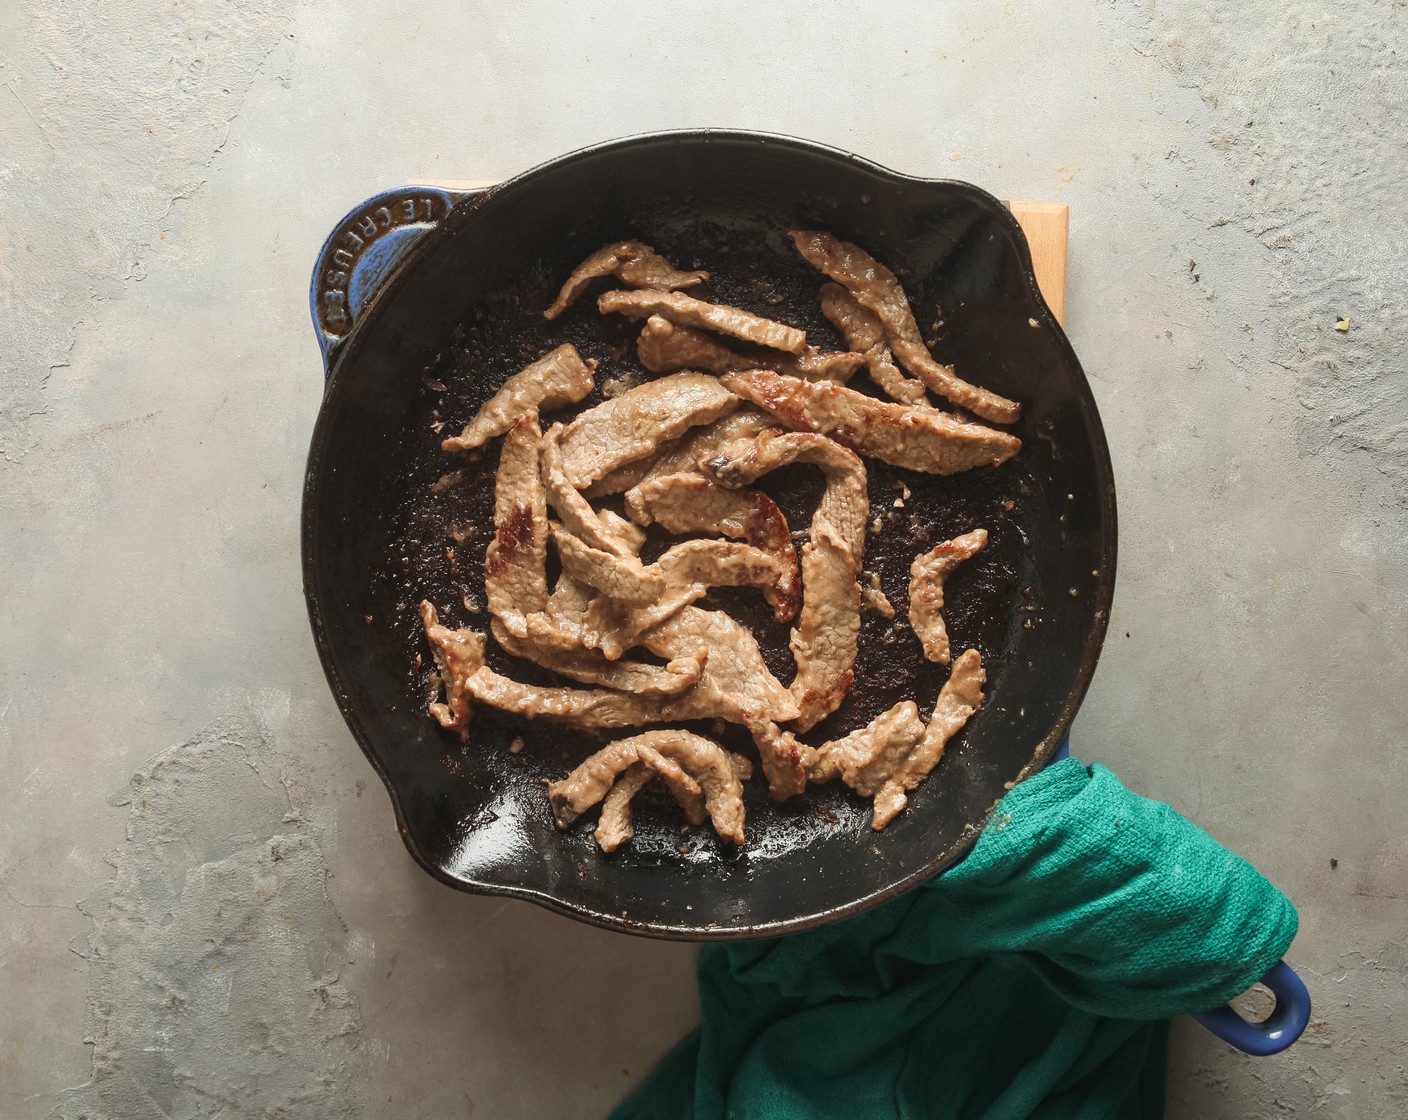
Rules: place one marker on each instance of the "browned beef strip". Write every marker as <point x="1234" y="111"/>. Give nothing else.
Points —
<point x="690" y="312"/>
<point x="921" y="439"/>
<point x="560" y="378"/>
<point x="876" y="288"/>
<point x="635" y="264"/>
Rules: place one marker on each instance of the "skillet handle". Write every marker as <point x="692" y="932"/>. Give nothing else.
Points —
<point x="365" y="249"/>
<point x="1285" y="1024"/>
<point x="1288" y="1019"/>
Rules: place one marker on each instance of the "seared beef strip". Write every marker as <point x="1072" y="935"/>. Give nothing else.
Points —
<point x="865" y="335"/>
<point x="623" y="578"/>
<point x="876" y="287"/>
<point x="959" y="698"/>
<point x="592" y="526"/>
<point x="827" y="637"/>
<point x="783" y="755"/>
<point x="921" y="439"/>
<point x="465" y="677"/>
<point x="594" y="778"/>
<point x="690" y="312"/>
<point x="717" y="773"/>
<point x="692" y="503"/>
<point x="664" y="346"/>
<point x="690" y="568"/>
<point x="683" y="454"/>
<point x="629" y="536"/>
<point x="633" y="425"/>
<point x="634" y="264"/>
<point x="458" y="654"/>
<point x="514" y="580"/>
<point x="716" y="563"/>
<point x="561" y="378"/>
<point x="926" y="590"/>
<point x="570" y="598"/>
<point x="735" y="666"/>
<point x="559" y="627"/>
<point x="590" y="667"/>
<point x="826" y="640"/>
<point x="589" y="782"/>
<point x="584" y="709"/>
<point x="736" y="686"/>
<point x="868" y="756"/>
<point x="846" y="502"/>
<point x="613" y="826"/>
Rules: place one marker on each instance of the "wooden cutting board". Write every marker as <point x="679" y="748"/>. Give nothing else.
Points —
<point x="1046" y="225"/>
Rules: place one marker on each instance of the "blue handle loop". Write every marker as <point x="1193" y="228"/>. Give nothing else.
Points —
<point x="1285" y="1024"/>
<point x="1288" y="1019"/>
<point x="364" y="250"/>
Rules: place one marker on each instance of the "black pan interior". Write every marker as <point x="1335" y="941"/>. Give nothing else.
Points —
<point x="465" y="312"/>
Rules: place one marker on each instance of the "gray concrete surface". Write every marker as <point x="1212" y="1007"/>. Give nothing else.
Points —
<point x="180" y="785"/>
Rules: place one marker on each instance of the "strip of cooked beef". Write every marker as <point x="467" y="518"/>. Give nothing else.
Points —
<point x="865" y="335"/>
<point x="717" y="563"/>
<point x="570" y="598"/>
<point x="623" y="578"/>
<point x="960" y="697"/>
<point x="664" y="346"/>
<point x="558" y="652"/>
<point x="690" y="569"/>
<point x="613" y="826"/>
<point x="458" y="654"/>
<point x="921" y="439"/>
<point x="465" y="678"/>
<point x="926" y="590"/>
<point x="827" y="636"/>
<point x="690" y="312"/>
<point x="826" y="640"/>
<point x="692" y="503"/>
<point x="634" y="264"/>
<point x="683" y="454"/>
<point x="553" y="632"/>
<point x="783" y="755"/>
<point x="584" y="709"/>
<point x="633" y="425"/>
<point x="632" y="537"/>
<point x="718" y="774"/>
<point x="736" y="686"/>
<point x="735" y="662"/>
<point x="592" y="780"/>
<point x="845" y="503"/>
<point x="561" y="378"/>
<point x="514" y="579"/>
<point x="594" y="527"/>
<point x="876" y="287"/>
<point x="559" y="627"/>
<point x="868" y="756"/>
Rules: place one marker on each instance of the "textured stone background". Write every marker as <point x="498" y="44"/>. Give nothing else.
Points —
<point x="204" y="909"/>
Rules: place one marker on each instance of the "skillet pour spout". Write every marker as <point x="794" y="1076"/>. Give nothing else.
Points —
<point x="425" y="299"/>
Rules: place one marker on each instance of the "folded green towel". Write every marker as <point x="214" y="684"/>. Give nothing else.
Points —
<point x="1035" y="979"/>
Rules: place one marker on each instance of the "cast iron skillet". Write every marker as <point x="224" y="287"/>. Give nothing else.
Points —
<point x="426" y="301"/>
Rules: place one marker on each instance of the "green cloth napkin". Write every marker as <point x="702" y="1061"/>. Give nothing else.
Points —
<point x="1035" y="979"/>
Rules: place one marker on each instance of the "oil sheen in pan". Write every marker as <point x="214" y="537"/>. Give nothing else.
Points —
<point x="443" y="521"/>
